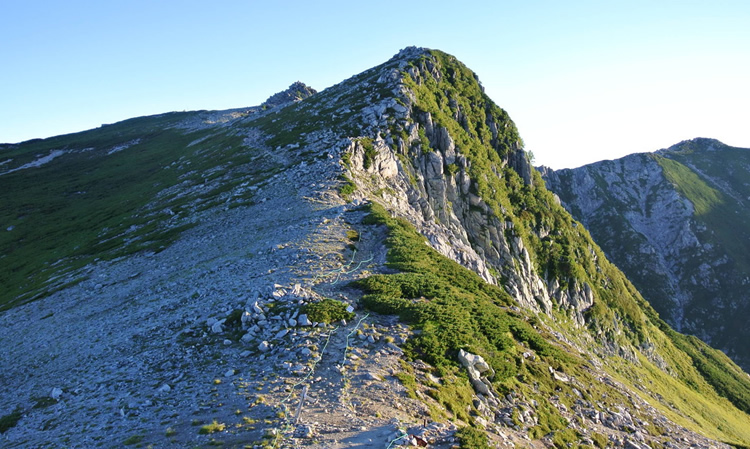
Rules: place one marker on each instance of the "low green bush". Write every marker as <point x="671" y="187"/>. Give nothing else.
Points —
<point x="9" y="421"/>
<point x="327" y="311"/>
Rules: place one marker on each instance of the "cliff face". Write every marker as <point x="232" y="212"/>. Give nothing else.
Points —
<point x="429" y="167"/>
<point x="329" y="272"/>
<point x="675" y="222"/>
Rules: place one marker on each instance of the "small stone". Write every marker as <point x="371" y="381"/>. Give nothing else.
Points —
<point x="372" y="376"/>
<point x="229" y="373"/>
<point x="305" y="431"/>
<point x="256" y="308"/>
<point x="165" y="389"/>
<point x="281" y="334"/>
<point x="56" y="393"/>
<point x="227" y="342"/>
<point x="245" y="353"/>
<point x="264" y="346"/>
<point x="218" y="327"/>
<point x="302" y="320"/>
<point x="248" y="337"/>
<point x="349" y="309"/>
<point x="292" y="322"/>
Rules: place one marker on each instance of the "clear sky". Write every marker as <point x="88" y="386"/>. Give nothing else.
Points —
<point x="583" y="80"/>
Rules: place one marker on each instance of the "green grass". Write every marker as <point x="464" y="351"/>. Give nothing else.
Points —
<point x="87" y="204"/>
<point x="213" y="427"/>
<point x="327" y="311"/>
<point x="455" y="309"/>
<point x="704" y="197"/>
<point x="472" y="438"/>
<point x="135" y="439"/>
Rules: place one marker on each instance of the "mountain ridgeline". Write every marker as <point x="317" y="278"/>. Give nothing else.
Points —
<point x="365" y="259"/>
<point x="677" y="222"/>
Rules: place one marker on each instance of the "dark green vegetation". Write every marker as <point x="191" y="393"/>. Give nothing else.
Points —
<point x="327" y="311"/>
<point x="455" y="309"/>
<point x="9" y="420"/>
<point x="471" y="438"/>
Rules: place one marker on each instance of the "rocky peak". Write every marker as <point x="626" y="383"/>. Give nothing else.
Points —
<point x="296" y="92"/>
<point x="696" y="144"/>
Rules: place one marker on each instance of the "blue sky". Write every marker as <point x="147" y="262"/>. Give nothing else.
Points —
<point x="583" y="80"/>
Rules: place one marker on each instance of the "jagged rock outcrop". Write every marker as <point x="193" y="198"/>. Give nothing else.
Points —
<point x="676" y="222"/>
<point x="296" y="92"/>
<point x="435" y="189"/>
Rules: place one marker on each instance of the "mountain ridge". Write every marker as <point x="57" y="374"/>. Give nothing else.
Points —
<point x="691" y="258"/>
<point x="400" y="179"/>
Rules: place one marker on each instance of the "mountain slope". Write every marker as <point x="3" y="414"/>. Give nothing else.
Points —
<point x="676" y="221"/>
<point x="372" y="264"/>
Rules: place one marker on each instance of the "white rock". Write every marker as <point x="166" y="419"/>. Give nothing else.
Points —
<point x="257" y="308"/>
<point x="248" y="337"/>
<point x="372" y="376"/>
<point x="56" y="393"/>
<point x="264" y="346"/>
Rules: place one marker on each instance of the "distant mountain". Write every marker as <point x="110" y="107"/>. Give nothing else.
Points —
<point x="376" y="264"/>
<point x="677" y="222"/>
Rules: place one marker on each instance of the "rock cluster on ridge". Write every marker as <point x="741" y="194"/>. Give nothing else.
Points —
<point x="296" y="92"/>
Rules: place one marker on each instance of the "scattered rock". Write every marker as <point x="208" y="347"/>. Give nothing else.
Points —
<point x="56" y="393"/>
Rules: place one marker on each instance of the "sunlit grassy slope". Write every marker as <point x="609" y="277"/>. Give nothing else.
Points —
<point x="109" y="192"/>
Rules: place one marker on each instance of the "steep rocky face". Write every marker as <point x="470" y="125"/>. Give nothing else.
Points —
<point x="330" y="272"/>
<point x="426" y="170"/>
<point x="676" y="222"/>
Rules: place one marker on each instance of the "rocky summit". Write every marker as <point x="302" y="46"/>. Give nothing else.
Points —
<point x="677" y="222"/>
<point x="373" y="265"/>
